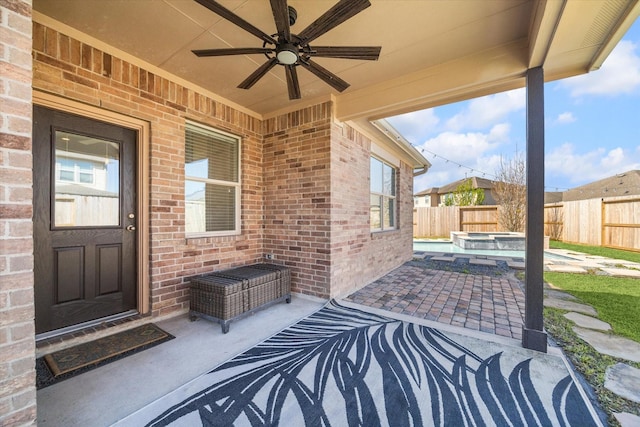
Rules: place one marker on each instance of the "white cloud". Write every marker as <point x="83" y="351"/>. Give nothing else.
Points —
<point x="466" y="147"/>
<point x="565" y="163"/>
<point x="566" y="117"/>
<point x="482" y="113"/>
<point x="475" y="151"/>
<point x="442" y="173"/>
<point x="413" y="126"/>
<point x="619" y="74"/>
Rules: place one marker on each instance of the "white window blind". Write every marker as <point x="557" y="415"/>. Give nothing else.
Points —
<point x="212" y="182"/>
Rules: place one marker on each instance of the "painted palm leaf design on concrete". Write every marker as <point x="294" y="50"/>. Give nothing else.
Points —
<point x="347" y="367"/>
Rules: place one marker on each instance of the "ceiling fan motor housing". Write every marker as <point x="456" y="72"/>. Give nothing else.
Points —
<point x="293" y="15"/>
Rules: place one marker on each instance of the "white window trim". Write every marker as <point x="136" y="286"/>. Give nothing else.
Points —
<point x="394" y="197"/>
<point x="237" y="185"/>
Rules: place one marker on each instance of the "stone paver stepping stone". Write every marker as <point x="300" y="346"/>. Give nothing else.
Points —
<point x="443" y="258"/>
<point x="561" y="268"/>
<point x="488" y="262"/>
<point x="516" y="265"/>
<point x="612" y="345"/>
<point x="552" y="293"/>
<point x="588" y="322"/>
<point x="627" y="420"/>
<point x="570" y="306"/>
<point x="623" y="380"/>
<point x="622" y="272"/>
<point x="588" y="264"/>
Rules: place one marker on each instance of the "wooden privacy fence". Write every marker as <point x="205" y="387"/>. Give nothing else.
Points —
<point x="621" y="223"/>
<point x="441" y="221"/>
<point x="610" y="222"/>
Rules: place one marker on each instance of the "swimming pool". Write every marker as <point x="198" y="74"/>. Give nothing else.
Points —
<point x="446" y="246"/>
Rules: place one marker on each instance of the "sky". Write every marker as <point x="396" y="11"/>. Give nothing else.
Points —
<point x="592" y="127"/>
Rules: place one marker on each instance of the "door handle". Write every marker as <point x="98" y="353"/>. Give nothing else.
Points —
<point x="131" y="228"/>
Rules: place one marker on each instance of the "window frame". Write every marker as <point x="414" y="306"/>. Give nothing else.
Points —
<point x="236" y="185"/>
<point x="393" y="198"/>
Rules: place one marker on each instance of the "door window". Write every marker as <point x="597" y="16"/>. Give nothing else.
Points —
<point x="86" y="181"/>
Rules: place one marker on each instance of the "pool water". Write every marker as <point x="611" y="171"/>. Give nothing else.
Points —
<point x="448" y="247"/>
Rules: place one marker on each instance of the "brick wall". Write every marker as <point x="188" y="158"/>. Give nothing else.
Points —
<point x="317" y="205"/>
<point x="17" y="330"/>
<point x="75" y="70"/>
<point x="305" y="179"/>
<point x="359" y="256"/>
<point x="297" y="223"/>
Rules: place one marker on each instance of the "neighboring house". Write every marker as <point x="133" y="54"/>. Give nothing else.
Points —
<point x="436" y="196"/>
<point x="623" y="184"/>
<point x="211" y="176"/>
<point x="426" y="198"/>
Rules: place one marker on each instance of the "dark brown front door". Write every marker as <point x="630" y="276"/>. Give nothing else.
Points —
<point x="84" y="219"/>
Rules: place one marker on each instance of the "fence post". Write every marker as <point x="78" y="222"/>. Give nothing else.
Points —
<point x="602" y="222"/>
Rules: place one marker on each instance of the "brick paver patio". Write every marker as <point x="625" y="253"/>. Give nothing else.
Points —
<point x="479" y="302"/>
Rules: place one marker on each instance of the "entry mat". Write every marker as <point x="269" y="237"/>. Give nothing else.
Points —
<point x="69" y="362"/>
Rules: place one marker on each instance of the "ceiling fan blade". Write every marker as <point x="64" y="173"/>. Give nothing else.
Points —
<point x="231" y="51"/>
<point x="333" y="17"/>
<point x="369" y="53"/>
<point x="217" y="8"/>
<point x="281" y="16"/>
<point x="292" y="82"/>
<point x="331" y="79"/>
<point x="258" y="74"/>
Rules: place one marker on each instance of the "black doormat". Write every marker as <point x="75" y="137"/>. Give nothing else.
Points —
<point x="69" y="362"/>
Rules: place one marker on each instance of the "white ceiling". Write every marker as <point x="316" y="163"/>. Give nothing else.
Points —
<point x="433" y="51"/>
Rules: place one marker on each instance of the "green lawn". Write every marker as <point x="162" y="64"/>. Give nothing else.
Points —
<point x="597" y="250"/>
<point x="616" y="299"/>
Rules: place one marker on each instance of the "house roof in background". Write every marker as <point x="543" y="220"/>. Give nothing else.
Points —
<point x="477" y="182"/>
<point x="427" y="192"/>
<point x="623" y="184"/>
<point x="553" y="196"/>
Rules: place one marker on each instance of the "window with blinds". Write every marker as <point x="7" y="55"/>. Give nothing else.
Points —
<point x="383" y="195"/>
<point x="212" y="182"/>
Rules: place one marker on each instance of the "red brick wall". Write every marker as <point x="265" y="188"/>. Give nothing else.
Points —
<point x="297" y="226"/>
<point x="305" y="179"/>
<point x="317" y="205"/>
<point x="17" y="330"/>
<point x="359" y="256"/>
<point x="72" y="69"/>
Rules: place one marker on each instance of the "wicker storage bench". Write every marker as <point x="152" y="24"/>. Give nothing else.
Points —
<point x="228" y="295"/>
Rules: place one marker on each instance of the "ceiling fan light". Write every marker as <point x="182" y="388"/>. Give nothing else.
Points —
<point x="287" y="54"/>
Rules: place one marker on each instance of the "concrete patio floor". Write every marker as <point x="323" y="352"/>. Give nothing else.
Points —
<point x="481" y="306"/>
<point x="109" y="393"/>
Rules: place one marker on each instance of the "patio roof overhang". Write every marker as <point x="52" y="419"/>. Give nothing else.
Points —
<point x="433" y="53"/>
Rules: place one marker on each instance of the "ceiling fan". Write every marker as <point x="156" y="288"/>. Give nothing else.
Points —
<point x="293" y="50"/>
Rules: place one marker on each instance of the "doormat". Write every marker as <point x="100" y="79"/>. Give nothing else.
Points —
<point x="69" y="362"/>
